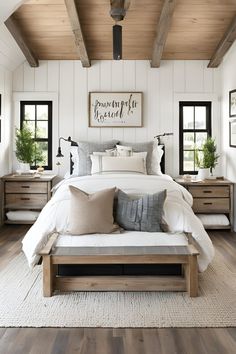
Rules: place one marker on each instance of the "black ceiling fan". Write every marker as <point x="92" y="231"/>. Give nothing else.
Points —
<point x="118" y="12"/>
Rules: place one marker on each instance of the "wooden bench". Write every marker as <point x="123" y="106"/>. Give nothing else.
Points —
<point x="184" y="255"/>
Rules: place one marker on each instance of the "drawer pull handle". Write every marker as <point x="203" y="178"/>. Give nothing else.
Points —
<point x="25" y="198"/>
<point x="25" y="186"/>
<point x="207" y="191"/>
<point x="207" y="203"/>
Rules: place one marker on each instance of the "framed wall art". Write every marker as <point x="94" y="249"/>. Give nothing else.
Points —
<point x="232" y="133"/>
<point x="232" y="103"/>
<point x="115" y="109"/>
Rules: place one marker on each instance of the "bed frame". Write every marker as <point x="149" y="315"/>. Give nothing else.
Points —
<point x="119" y="268"/>
<point x="186" y="256"/>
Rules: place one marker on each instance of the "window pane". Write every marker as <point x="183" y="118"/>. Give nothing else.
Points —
<point x="188" y="141"/>
<point x="31" y="126"/>
<point x="200" y="139"/>
<point x="200" y="117"/>
<point x="29" y="112"/>
<point x="188" y="160"/>
<point x="42" y="130"/>
<point x="188" y="114"/>
<point x="44" y="146"/>
<point x="42" y="112"/>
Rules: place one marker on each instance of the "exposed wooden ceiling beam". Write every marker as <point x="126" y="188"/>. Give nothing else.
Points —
<point x="162" y="31"/>
<point x="224" y="45"/>
<point x="78" y="33"/>
<point x="20" y="39"/>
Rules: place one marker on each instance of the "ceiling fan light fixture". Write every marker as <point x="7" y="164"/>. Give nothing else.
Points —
<point x="117" y="42"/>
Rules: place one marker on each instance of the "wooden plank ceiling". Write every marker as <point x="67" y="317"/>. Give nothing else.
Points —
<point x="196" y="29"/>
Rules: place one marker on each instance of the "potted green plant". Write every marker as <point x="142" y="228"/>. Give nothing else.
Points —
<point x="207" y="158"/>
<point x="27" y="150"/>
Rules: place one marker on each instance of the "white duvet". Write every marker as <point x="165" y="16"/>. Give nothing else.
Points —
<point x="178" y="215"/>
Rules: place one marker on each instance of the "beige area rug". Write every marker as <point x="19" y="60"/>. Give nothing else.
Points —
<point x="22" y="303"/>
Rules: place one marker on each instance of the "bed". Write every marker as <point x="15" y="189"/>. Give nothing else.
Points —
<point x="177" y="214"/>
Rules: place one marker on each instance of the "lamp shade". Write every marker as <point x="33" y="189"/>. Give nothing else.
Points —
<point x="59" y="153"/>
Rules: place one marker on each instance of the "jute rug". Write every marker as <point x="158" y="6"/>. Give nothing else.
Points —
<point x="22" y="303"/>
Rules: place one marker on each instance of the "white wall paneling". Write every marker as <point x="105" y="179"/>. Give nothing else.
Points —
<point x="105" y="85"/>
<point x="6" y="123"/>
<point x="160" y="86"/>
<point x="93" y="84"/>
<point x="29" y="77"/>
<point x="228" y="83"/>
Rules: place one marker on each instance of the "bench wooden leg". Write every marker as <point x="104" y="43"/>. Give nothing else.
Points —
<point x="48" y="275"/>
<point x="191" y="276"/>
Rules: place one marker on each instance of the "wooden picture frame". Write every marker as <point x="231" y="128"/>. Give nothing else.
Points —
<point x="115" y="109"/>
<point x="232" y="103"/>
<point x="232" y="133"/>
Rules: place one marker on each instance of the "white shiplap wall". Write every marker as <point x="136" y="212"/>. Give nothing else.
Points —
<point x="228" y="153"/>
<point x="6" y="122"/>
<point x="161" y="87"/>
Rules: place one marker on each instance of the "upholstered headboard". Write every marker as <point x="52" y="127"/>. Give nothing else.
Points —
<point x="162" y="160"/>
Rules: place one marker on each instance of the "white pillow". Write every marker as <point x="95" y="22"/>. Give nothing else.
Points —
<point x="75" y="159"/>
<point x="157" y="154"/>
<point x="213" y="219"/>
<point x="134" y="163"/>
<point x="22" y="215"/>
<point x="123" y="150"/>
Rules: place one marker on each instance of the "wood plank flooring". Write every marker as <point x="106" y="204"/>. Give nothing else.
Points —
<point x="116" y="341"/>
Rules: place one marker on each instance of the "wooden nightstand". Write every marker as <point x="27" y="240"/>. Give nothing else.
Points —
<point x="25" y="193"/>
<point x="211" y="197"/>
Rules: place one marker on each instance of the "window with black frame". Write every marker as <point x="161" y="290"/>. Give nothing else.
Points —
<point x="38" y="117"/>
<point x="194" y="129"/>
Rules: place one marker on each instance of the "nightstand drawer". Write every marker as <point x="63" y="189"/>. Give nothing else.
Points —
<point x="24" y="201"/>
<point x="209" y="191"/>
<point x="210" y="205"/>
<point x="26" y="187"/>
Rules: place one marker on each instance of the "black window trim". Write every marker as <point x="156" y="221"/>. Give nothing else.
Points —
<point x="208" y="105"/>
<point x="49" y="103"/>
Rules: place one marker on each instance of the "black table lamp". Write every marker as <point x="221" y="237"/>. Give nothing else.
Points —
<point x="59" y="153"/>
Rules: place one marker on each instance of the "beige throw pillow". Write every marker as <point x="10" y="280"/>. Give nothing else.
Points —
<point x="91" y="213"/>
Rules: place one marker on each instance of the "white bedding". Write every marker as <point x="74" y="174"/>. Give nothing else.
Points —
<point x="126" y="238"/>
<point x="178" y="213"/>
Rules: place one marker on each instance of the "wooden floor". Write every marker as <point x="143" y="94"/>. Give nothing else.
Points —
<point x="115" y="341"/>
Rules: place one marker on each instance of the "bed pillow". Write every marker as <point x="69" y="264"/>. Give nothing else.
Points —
<point x="135" y="163"/>
<point x="142" y="214"/>
<point x="157" y="154"/>
<point x="124" y="150"/>
<point x="153" y="154"/>
<point x="83" y="164"/>
<point x="75" y="160"/>
<point x="91" y="213"/>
